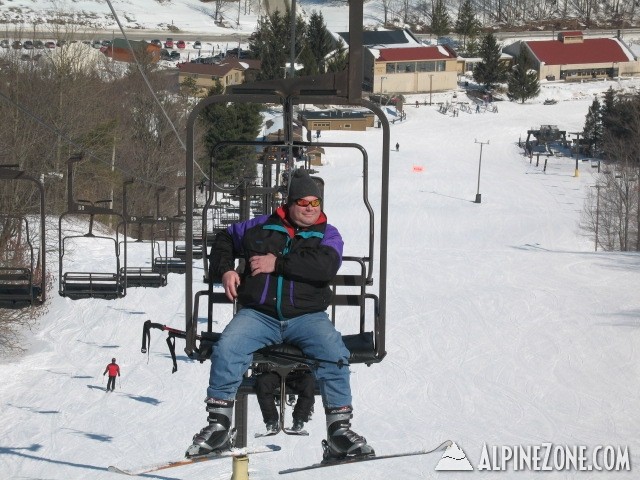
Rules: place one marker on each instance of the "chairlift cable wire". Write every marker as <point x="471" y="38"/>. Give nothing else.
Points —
<point x="146" y="81"/>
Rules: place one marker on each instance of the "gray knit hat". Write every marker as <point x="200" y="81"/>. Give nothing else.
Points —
<point x="302" y="185"/>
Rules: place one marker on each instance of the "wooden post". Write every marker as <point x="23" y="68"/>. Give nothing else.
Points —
<point x="240" y="468"/>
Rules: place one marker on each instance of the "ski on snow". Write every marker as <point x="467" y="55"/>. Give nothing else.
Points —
<point x="348" y="460"/>
<point x="234" y="452"/>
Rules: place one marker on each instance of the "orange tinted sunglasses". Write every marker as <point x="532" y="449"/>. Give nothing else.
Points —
<point x="301" y="202"/>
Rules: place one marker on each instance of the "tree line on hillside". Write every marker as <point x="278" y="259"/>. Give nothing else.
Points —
<point x="442" y="17"/>
<point x="611" y="135"/>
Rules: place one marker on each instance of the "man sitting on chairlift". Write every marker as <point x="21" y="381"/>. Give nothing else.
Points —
<point x="290" y="257"/>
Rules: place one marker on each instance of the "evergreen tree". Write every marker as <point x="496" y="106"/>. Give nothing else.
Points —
<point x="607" y="109"/>
<point x="271" y="43"/>
<point x="440" y="21"/>
<point x="232" y="121"/>
<point x="490" y="71"/>
<point x="592" y="131"/>
<point x="308" y="60"/>
<point x="339" y="60"/>
<point x="473" y="47"/>
<point x="467" y="24"/>
<point x="189" y="88"/>
<point x="622" y="119"/>
<point x="318" y="41"/>
<point x="523" y="82"/>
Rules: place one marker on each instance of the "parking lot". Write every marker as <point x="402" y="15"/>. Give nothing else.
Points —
<point x="172" y="49"/>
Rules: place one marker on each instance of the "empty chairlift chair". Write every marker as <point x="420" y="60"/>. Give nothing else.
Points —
<point x="22" y="270"/>
<point x="93" y="281"/>
<point x="166" y="233"/>
<point x="143" y="276"/>
<point x="180" y="248"/>
<point x="18" y="285"/>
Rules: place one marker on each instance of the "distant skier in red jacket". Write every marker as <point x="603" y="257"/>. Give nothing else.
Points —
<point x="114" y="370"/>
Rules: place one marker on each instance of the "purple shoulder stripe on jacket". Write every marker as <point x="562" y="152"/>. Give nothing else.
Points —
<point x="237" y="230"/>
<point x="333" y="239"/>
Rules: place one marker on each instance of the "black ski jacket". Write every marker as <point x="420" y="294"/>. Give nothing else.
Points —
<point x="307" y="260"/>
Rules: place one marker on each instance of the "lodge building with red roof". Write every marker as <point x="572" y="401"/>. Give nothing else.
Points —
<point x="572" y="57"/>
<point x="395" y="61"/>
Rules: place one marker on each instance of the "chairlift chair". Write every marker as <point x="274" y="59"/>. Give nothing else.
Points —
<point x="24" y="285"/>
<point x="180" y="249"/>
<point x="353" y="285"/>
<point x="169" y="227"/>
<point x="139" y="276"/>
<point x="106" y="285"/>
<point x="17" y="286"/>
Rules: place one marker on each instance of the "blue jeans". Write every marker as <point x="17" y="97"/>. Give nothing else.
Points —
<point x="250" y="330"/>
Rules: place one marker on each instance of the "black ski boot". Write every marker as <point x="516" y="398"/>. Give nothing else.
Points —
<point x="273" y="427"/>
<point x="341" y="441"/>
<point x="298" y="425"/>
<point x="217" y="435"/>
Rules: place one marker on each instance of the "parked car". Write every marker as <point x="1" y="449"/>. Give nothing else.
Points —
<point x="27" y="45"/>
<point x="197" y="45"/>
<point x="168" y="43"/>
<point x="61" y="43"/>
<point x="16" y="45"/>
<point x="164" y="54"/>
<point x="106" y="43"/>
<point x="238" y="53"/>
<point x="157" y="42"/>
<point x="39" y="44"/>
<point x="5" y="43"/>
<point x="50" y="45"/>
<point x="174" y="55"/>
<point x="96" y="44"/>
<point x="180" y="44"/>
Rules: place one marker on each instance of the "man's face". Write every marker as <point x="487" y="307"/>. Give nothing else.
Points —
<point x="304" y="216"/>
